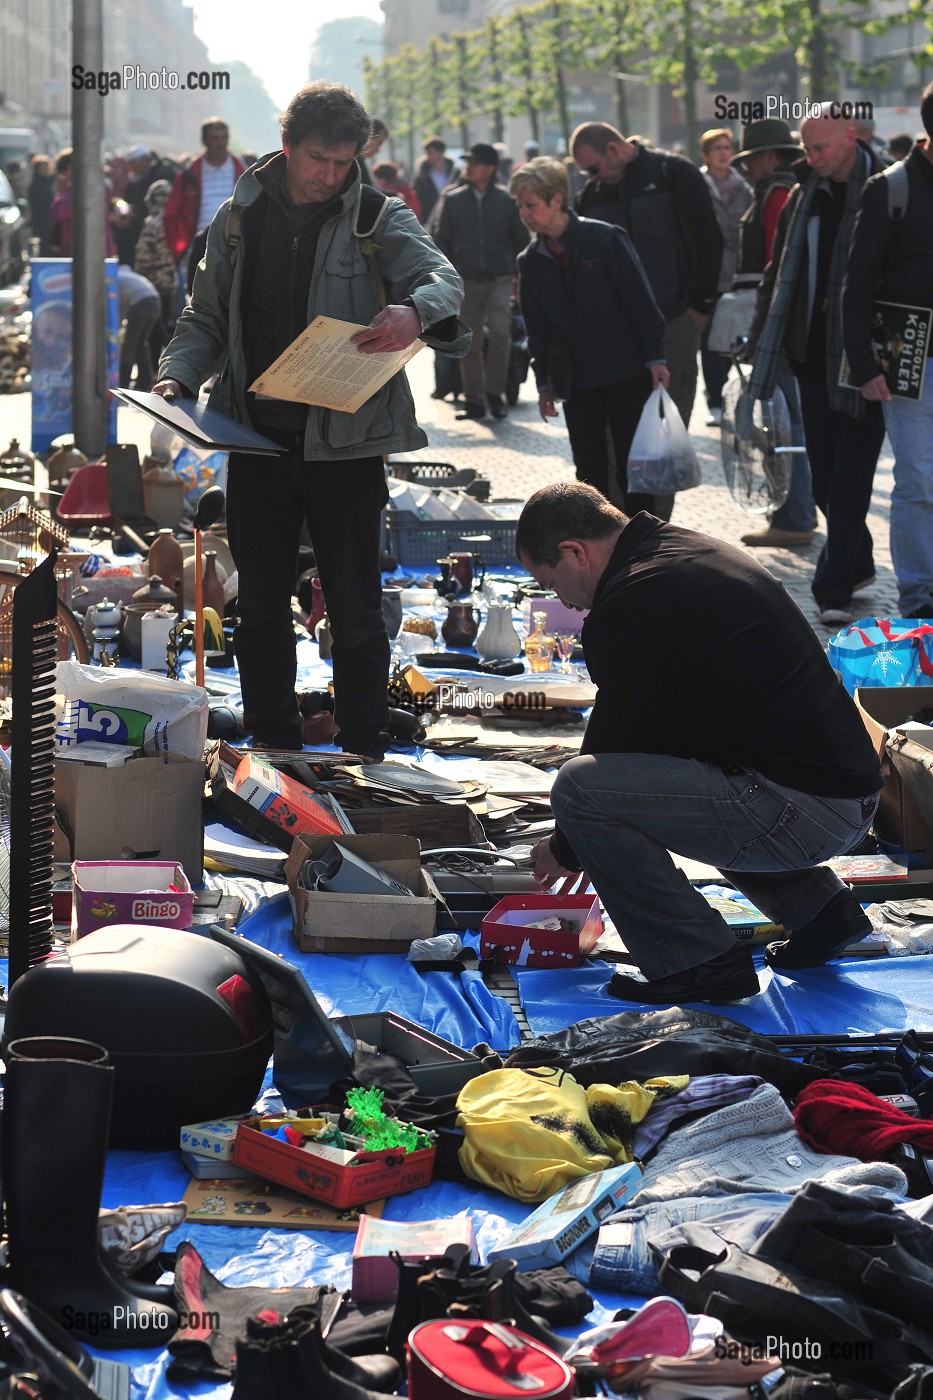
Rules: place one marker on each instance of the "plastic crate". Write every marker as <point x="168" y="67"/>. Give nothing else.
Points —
<point x="415" y="541"/>
<point x="438" y="474"/>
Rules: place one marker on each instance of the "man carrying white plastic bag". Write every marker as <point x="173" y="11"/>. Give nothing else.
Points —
<point x="662" y="459"/>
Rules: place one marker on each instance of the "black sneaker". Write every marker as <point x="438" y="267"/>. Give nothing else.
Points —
<point x="729" y="977"/>
<point x="497" y="405"/>
<point x="472" y="409"/>
<point x="841" y="922"/>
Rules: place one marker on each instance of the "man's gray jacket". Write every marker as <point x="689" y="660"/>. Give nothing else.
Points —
<point x="208" y="337"/>
<point x="481" y="236"/>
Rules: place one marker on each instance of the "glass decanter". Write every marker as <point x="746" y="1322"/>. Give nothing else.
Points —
<point x="539" y="645"/>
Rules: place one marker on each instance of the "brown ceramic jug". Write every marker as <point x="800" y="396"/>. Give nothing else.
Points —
<point x="167" y="560"/>
<point x="461" y="625"/>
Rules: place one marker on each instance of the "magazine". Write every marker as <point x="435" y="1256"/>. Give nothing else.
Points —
<point x="900" y="339"/>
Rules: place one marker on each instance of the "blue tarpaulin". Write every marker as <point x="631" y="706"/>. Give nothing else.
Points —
<point x="859" y="996"/>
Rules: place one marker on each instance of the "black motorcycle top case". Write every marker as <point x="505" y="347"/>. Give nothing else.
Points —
<point x="187" y="1024"/>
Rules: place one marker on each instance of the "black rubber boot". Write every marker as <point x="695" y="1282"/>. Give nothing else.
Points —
<point x="56" y="1125"/>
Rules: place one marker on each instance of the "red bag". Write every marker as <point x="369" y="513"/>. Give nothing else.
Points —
<point x="448" y="1360"/>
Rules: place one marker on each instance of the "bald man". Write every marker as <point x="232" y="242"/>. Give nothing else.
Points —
<point x="800" y="314"/>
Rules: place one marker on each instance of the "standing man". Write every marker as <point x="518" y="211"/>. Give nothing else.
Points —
<point x="292" y="245"/>
<point x="766" y="160"/>
<point x="891" y="259"/>
<point x="435" y="172"/>
<point x="661" y="200"/>
<point x="198" y="192"/>
<point x="741" y="749"/>
<point x="479" y="229"/>
<point x="799" y="315"/>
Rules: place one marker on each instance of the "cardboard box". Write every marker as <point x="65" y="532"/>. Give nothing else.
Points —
<point x="905" y="812"/>
<point x="148" y="809"/>
<point x="375" y="1274"/>
<point x="560" y="618"/>
<point x="358" y="923"/>
<point x="370" y="1175"/>
<point x="109" y="892"/>
<point x="506" y="936"/>
<point x="561" y="1223"/>
<point x="282" y="800"/>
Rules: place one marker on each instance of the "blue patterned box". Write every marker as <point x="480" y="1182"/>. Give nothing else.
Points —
<point x="214" y="1140"/>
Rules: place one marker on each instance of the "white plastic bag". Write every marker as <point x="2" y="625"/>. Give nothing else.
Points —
<point x="115" y="706"/>
<point x="662" y="459"/>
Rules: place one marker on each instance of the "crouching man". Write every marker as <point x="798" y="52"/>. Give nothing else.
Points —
<point x="719" y="732"/>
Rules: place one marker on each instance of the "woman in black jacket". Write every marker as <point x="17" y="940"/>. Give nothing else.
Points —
<point x="595" y="332"/>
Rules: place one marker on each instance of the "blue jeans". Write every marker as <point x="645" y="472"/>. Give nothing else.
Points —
<point x="799" y="510"/>
<point x="624" y="1260"/>
<point x="624" y="812"/>
<point x="910" y="427"/>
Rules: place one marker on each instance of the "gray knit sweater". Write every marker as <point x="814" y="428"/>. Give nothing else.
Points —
<point x="753" y="1146"/>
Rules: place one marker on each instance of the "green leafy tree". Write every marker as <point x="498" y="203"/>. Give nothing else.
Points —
<point x="407" y="75"/>
<point x="812" y="29"/>
<point x="432" y="94"/>
<point x="494" y="93"/>
<point x="466" y="86"/>
<point x="518" y="58"/>
<point x="380" y="90"/>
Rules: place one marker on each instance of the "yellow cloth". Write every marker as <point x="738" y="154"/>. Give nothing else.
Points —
<point x="531" y="1132"/>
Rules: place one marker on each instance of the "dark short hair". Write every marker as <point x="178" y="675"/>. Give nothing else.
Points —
<point x="926" y="109"/>
<point x="209" y="126"/>
<point x="596" y="135"/>
<point x="63" y="160"/>
<point x="900" y="145"/>
<point x="566" y="510"/>
<point x="330" y="112"/>
<point x="378" y="128"/>
<point x="433" y="143"/>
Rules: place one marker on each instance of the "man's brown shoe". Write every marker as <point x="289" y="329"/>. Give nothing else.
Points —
<point x="777" y="538"/>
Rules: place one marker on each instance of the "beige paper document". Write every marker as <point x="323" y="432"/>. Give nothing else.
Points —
<point x="322" y="367"/>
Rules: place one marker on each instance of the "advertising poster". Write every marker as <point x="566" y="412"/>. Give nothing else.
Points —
<point x="51" y="349"/>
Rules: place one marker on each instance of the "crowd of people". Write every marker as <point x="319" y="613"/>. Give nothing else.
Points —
<point x="785" y="211"/>
<point x="748" y="755"/>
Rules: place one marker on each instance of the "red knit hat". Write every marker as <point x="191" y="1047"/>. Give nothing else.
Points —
<point x="834" y="1116"/>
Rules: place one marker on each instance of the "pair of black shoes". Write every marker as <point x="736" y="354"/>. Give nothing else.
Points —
<point x="476" y="409"/>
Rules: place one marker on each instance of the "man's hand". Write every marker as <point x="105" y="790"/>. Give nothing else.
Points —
<point x="547" y="867"/>
<point x="395" y="328"/>
<point x="699" y="318"/>
<point x="660" y="374"/>
<point x="546" y="405"/>
<point x="169" y="389"/>
<point x="876" y="390"/>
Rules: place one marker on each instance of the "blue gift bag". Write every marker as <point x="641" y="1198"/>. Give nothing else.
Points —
<point x="881" y="651"/>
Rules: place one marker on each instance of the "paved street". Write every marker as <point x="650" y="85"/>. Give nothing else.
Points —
<point x="522" y="453"/>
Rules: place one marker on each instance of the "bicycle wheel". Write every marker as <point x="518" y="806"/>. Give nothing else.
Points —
<point x="72" y="643"/>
